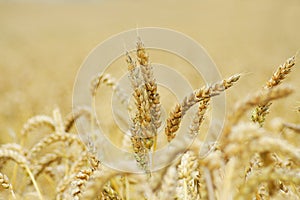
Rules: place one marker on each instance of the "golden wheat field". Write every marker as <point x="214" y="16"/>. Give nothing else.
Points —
<point x="255" y="46"/>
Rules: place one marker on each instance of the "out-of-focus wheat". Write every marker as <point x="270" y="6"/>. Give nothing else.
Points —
<point x="260" y="112"/>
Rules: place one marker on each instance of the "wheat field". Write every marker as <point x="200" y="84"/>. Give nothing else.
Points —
<point x="253" y="43"/>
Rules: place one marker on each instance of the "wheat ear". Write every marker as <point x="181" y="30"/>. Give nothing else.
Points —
<point x="97" y="183"/>
<point x="187" y="176"/>
<point x="22" y="161"/>
<point x="266" y="175"/>
<point x="198" y="118"/>
<point x="294" y="127"/>
<point x="81" y="111"/>
<point x="109" y="193"/>
<point x="141" y="135"/>
<point x="260" y="97"/>
<point x="75" y="169"/>
<point x="37" y="121"/>
<point x="260" y="112"/>
<point x="44" y="162"/>
<point x="204" y="93"/>
<point x="50" y="139"/>
<point x="167" y="187"/>
<point x="150" y="84"/>
<point x="4" y="182"/>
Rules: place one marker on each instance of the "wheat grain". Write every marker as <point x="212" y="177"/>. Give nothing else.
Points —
<point x="4" y="182"/>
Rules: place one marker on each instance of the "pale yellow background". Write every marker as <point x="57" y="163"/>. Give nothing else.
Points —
<point x="43" y="44"/>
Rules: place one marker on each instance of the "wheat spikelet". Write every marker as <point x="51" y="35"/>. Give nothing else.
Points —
<point x="50" y="139"/>
<point x="75" y="168"/>
<point x="204" y="93"/>
<point x="187" y="175"/>
<point x="167" y="188"/>
<point x="97" y="182"/>
<point x="141" y="129"/>
<point x="17" y="157"/>
<point x="108" y="80"/>
<point x="74" y="115"/>
<point x="58" y="122"/>
<point x="260" y="112"/>
<point x="258" y="141"/>
<point x="294" y="127"/>
<point x="261" y="97"/>
<point x="246" y="191"/>
<point x="4" y="182"/>
<point x="80" y="180"/>
<point x="22" y="161"/>
<point x="101" y="79"/>
<point x="281" y="73"/>
<point x="37" y="121"/>
<point x="44" y="162"/>
<point x="150" y="84"/>
<point x="15" y="147"/>
<point x="198" y="118"/>
<point x="109" y="193"/>
<point x="277" y="145"/>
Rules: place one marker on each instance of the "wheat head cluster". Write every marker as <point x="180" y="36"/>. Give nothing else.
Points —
<point x="248" y="161"/>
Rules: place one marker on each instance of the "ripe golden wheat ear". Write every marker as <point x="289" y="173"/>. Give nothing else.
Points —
<point x="146" y="120"/>
<point x="201" y="96"/>
<point x="260" y="112"/>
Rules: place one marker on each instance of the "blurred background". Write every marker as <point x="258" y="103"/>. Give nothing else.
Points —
<point x="43" y="43"/>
